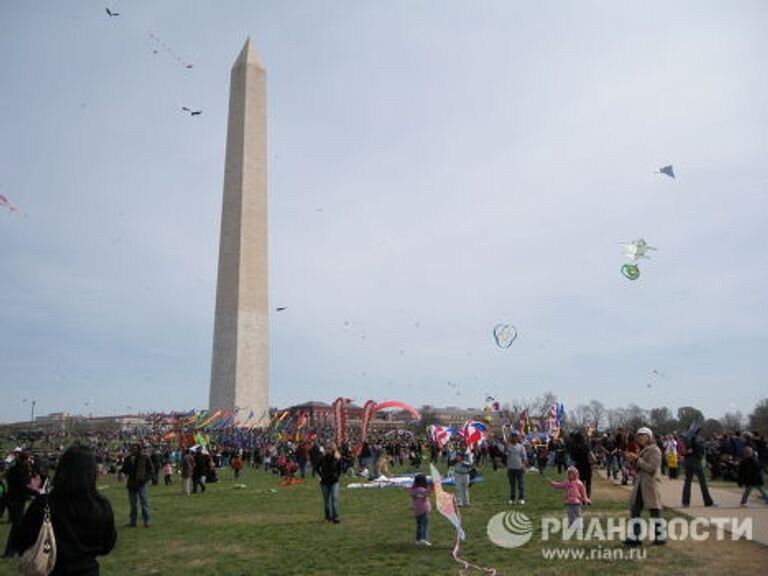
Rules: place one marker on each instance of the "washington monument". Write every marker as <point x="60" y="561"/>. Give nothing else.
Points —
<point x="240" y="366"/>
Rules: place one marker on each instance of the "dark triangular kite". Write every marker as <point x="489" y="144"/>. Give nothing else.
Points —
<point x="668" y="170"/>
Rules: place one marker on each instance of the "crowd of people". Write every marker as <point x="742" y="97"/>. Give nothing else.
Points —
<point x="61" y="483"/>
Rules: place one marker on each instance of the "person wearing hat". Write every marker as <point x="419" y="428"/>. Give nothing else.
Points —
<point x="646" y="492"/>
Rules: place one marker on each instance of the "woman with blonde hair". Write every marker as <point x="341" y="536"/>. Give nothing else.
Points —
<point x="330" y="471"/>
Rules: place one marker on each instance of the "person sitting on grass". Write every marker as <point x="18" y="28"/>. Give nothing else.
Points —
<point x="750" y="475"/>
<point x="382" y="466"/>
<point x="421" y="505"/>
<point x="575" y="494"/>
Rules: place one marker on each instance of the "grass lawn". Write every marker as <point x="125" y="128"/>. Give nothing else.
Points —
<point x="255" y="531"/>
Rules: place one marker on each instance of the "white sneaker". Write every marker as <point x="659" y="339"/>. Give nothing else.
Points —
<point x="513" y="502"/>
<point x="522" y="501"/>
<point x="419" y="542"/>
<point x="426" y="543"/>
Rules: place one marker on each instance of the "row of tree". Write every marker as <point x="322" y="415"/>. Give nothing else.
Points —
<point x="663" y="421"/>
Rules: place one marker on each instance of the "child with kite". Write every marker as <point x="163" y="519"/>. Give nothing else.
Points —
<point x="421" y="506"/>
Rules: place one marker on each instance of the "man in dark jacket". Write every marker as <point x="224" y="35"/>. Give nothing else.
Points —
<point x="330" y="472"/>
<point x="200" y="471"/>
<point x="750" y="475"/>
<point x="138" y="469"/>
<point x="694" y="452"/>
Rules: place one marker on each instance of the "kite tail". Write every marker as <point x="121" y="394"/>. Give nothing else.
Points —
<point x="467" y="565"/>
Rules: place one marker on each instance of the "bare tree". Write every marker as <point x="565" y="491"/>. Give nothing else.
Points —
<point x="580" y="416"/>
<point x="597" y="413"/>
<point x="617" y="418"/>
<point x="661" y="420"/>
<point x="635" y="417"/>
<point x="758" y="420"/>
<point x="733" y="421"/>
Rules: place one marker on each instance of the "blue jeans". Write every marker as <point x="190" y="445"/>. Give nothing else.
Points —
<point x="141" y="493"/>
<point x="461" y="481"/>
<point x="422" y="527"/>
<point x="331" y="500"/>
<point x="516" y="478"/>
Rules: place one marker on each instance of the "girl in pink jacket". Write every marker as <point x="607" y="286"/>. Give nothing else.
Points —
<point x="575" y="494"/>
<point x="419" y="492"/>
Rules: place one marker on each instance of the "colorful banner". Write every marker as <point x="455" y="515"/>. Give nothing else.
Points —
<point x="368" y="410"/>
<point x="340" y="419"/>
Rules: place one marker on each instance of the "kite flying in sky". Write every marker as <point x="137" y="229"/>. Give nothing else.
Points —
<point x="504" y="334"/>
<point x="637" y="249"/>
<point x="631" y="271"/>
<point x="192" y="112"/>
<point x="5" y="203"/>
<point x="668" y="170"/>
<point x="168" y="50"/>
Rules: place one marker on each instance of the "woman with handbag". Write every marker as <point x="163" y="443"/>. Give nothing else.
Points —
<point x="82" y="519"/>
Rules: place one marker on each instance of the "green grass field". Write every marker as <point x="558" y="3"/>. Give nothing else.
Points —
<point x="255" y="531"/>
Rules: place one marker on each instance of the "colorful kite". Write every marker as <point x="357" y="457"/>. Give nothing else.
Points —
<point x="631" y="271"/>
<point x="504" y="334"/>
<point x="441" y="435"/>
<point x="446" y="505"/>
<point x="473" y="432"/>
<point x="637" y="249"/>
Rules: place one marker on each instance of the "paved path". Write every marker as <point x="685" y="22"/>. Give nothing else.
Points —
<point x="727" y="500"/>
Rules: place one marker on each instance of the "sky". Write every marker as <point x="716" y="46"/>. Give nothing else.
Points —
<point x="435" y="168"/>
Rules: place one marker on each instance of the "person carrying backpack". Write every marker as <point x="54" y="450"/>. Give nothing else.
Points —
<point x="138" y="471"/>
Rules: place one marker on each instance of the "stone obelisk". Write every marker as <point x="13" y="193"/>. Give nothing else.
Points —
<point x="240" y="367"/>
